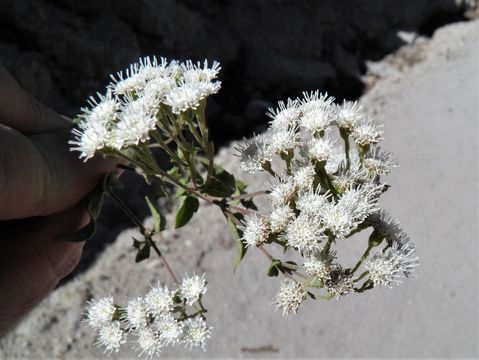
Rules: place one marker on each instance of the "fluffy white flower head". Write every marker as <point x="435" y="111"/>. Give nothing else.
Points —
<point x="320" y="266"/>
<point x="170" y="329"/>
<point x="379" y="162"/>
<point x="256" y="230"/>
<point x="349" y="115"/>
<point x="285" y="116"/>
<point x="111" y="336"/>
<point x="192" y="287"/>
<point x="312" y="202"/>
<point x="283" y="141"/>
<point x="320" y="149"/>
<point x="367" y="133"/>
<point x="317" y="112"/>
<point x="388" y="267"/>
<point x="304" y="176"/>
<point x="282" y="193"/>
<point x="100" y="312"/>
<point x="290" y="296"/>
<point x="136" y="315"/>
<point x="148" y="342"/>
<point x="280" y="218"/>
<point x="340" y="284"/>
<point x="196" y="333"/>
<point x="305" y="234"/>
<point x="254" y="154"/>
<point x="158" y="300"/>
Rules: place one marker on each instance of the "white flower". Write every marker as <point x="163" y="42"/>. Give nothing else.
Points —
<point x="317" y="112"/>
<point x="196" y="332"/>
<point x="158" y="88"/>
<point x="136" y="315"/>
<point x="285" y="116"/>
<point x="290" y="295"/>
<point x="254" y="154"/>
<point x="282" y="193"/>
<point x="158" y="300"/>
<point x="305" y="234"/>
<point x="367" y="133"/>
<point x="100" y="312"/>
<point x="182" y="98"/>
<point x="379" y="162"/>
<point x="136" y="122"/>
<point x="194" y="85"/>
<point x="349" y="115"/>
<point x="320" y="149"/>
<point x="340" y="284"/>
<point x="361" y="201"/>
<point x="148" y="342"/>
<point x="312" y="202"/>
<point x="170" y="329"/>
<point x="192" y="288"/>
<point x="90" y="139"/>
<point x="198" y="73"/>
<point x="320" y="265"/>
<point x="283" y="141"/>
<point x="280" y="217"/>
<point x="303" y="175"/>
<point x="102" y="110"/>
<point x="111" y="336"/>
<point x="387" y="267"/>
<point x="338" y="219"/>
<point x="256" y="230"/>
<point x="131" y="82"/>
<point x="347" y="178"/>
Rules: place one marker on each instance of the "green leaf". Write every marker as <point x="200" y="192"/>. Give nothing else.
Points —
<point x="227" y="179"/>
<point x="375" y="238"/>
<point x="215" y="188"/>
<point x="273" y="269"/>
<point x="81" y="235"/>
<point x="95" y="201"/>
<point x="175" y="172"/>
<point x="143" y="248"/>
<point x="240" y="187"/>
<point x="189" y="204"/>
<point x="240" y="245"/>
<point x="160" y="221"/>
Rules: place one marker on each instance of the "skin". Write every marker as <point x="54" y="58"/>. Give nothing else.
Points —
<point x="43" y="187"/>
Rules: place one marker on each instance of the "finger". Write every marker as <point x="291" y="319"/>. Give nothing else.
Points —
<point x="40" y="176"/>
<point x="33" y="261"/>
<point x="21" y="111"/>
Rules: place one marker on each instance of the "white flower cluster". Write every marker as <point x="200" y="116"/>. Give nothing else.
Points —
<point x="155" y="320"/>
<point x="130" y="109"/>
<point x="324" y="192"/>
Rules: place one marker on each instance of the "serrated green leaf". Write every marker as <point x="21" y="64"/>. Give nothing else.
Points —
<point x="189" y="204"/>
<point x="81" y="235"/>
<point x="159" y="219"/>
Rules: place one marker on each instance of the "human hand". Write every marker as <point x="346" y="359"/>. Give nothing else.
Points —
<point x="42" y="196"/>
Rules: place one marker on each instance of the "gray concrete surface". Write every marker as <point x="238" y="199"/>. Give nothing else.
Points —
<point x="430" y="108"/>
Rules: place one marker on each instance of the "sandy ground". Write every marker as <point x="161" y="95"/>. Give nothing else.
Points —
<point x="429" y="104"/>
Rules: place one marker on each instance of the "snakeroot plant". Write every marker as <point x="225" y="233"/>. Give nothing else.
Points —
<point x="326" y="174"/>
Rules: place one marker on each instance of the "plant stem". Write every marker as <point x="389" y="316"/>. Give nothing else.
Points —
<point x="144" y="232"/>
<point x="365" y="255"/>
<point x="163" y="259"/>
<point x="249" y="195"/>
